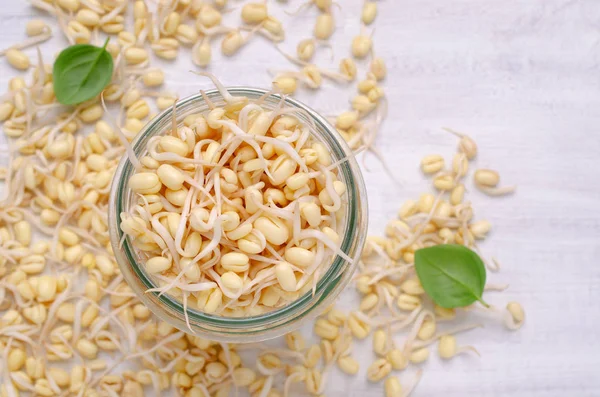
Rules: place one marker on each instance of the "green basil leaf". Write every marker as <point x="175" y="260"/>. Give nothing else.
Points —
<point x="81" y="72"/>
<point x="452" y="275"/>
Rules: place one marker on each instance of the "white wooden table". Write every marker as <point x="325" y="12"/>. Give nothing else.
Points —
<point x="523" y="78"/>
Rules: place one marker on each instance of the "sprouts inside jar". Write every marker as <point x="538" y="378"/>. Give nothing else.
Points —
<point x="238" y="210"/>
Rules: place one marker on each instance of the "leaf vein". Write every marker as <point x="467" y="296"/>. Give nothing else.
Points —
<point x="452" y="277"/>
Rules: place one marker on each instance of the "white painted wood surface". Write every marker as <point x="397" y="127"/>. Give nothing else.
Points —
<point x="523" y="78"/>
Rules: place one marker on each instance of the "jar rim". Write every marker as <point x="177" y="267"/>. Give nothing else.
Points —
<point x="339" y="271"/>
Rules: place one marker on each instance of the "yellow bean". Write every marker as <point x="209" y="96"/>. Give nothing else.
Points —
<point x="348" y="365"/>
<point x="276" y="233"/>
<point x="36" y="27"/>
<point x="17" y="59"/>
<point x="485" y="177"/>
<point x="361" y="46"/>
<point x="378" y="370"/>
<point x="447" y="346"/>
<point x="135" y="55"/>
<point x="427" y="330"/>
<point x="379" y="342"/>
<point x="299" y="256"/>
<point x="324" y="26"/>
<point x="392" y="387"/>
<point x="253" y="13"/>
<point x="369" y="12"/>
<point x="325" y="329"/>
<point x="418" y="356"/>
<point x="285" y="276"/>
<point x="87" y="18"/>
<point x="358" y="327"/>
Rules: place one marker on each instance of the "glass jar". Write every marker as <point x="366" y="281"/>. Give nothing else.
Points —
<point x="276" y="322"/>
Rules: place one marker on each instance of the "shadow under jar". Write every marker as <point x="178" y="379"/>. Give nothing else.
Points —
<point x="335" y="276"/>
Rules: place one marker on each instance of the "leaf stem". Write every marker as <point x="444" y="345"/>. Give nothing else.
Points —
<point x="484" y="303"/>
<point x="106" y="43"/>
